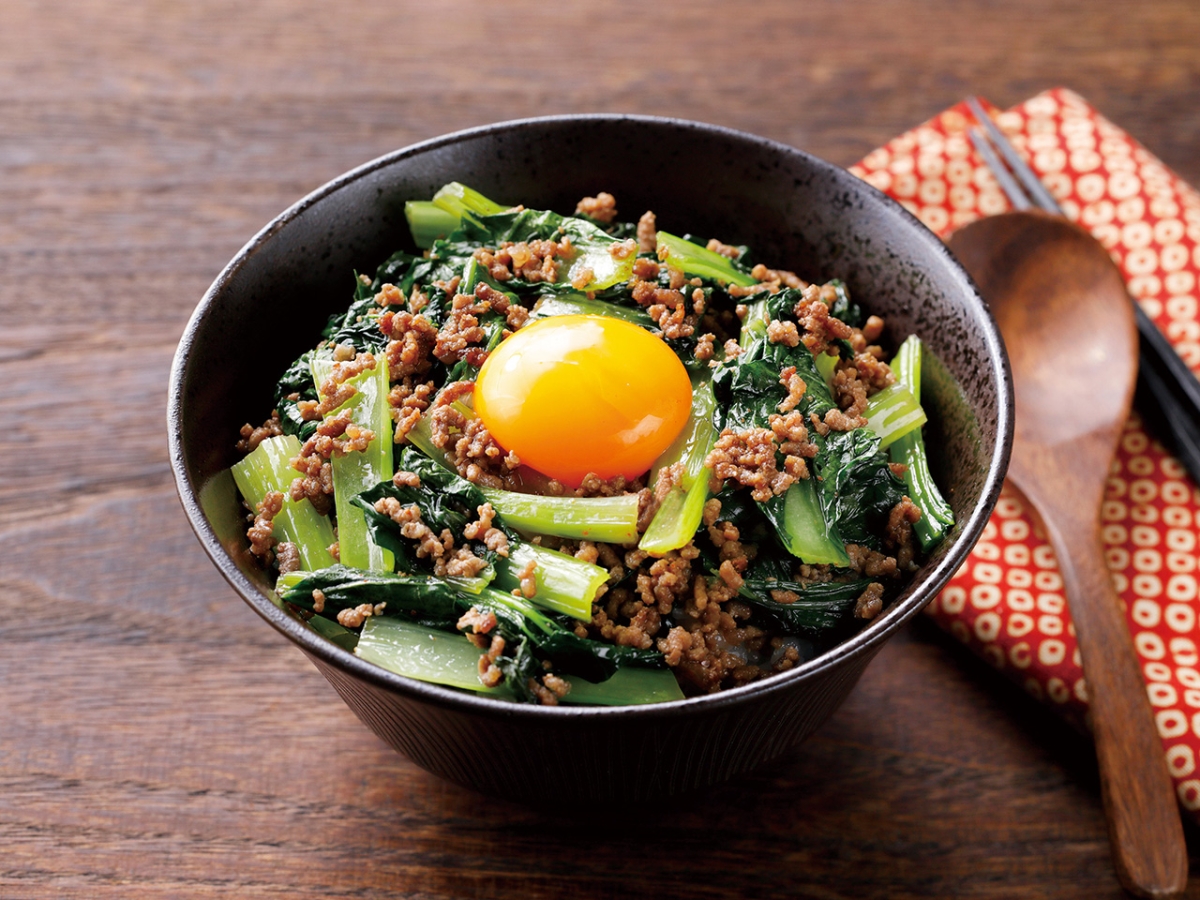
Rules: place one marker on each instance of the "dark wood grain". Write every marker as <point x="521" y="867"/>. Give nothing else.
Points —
<point x="157" y="740"/>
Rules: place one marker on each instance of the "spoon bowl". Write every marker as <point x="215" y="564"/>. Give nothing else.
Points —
<point x="1068" y="325"/>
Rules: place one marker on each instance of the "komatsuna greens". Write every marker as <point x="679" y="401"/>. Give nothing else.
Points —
<point x="789" y="507"/>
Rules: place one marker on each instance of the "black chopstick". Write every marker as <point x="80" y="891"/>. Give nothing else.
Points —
<point x="1168" y="394"/>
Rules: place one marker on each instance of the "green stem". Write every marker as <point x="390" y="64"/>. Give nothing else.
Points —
<point x="893" y="413"/>
<point x="609" y="519"/>
<point x="936" y="514"/>
<point x="564" y="584"/>
<point x="570" y="304"/>
<point x="269" y="468"/>
<point x="358" y="471"/>
<point x="440" y="657"/>
<point x="458" y="199"/>
<point x="693" y="259"/>
<point x="682" y="509"/>
<point x="801" y="526"/>
<point x="428" y="222"/>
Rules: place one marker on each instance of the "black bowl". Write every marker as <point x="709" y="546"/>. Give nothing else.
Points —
<point x="796" y="212"/>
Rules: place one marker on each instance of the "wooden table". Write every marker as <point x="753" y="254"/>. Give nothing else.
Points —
<point x="158" y="740"/>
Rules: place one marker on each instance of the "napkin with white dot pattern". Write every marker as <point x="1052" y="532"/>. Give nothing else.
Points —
<point x="1006" y="602"/>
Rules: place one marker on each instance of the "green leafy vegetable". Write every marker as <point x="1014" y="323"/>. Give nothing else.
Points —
<point x="269" y="468"/>
<point x="444" y="658"/>
<point x="428" y="222"/>
<point x="359" y="470"/>
<point x="893" y="412"/>
<point x="936" y="515"/>
<point x="446" y="501"/>
<point x="692" y="259"/>
<point x="819" y="609"/>
<point x="531" y="633"/>
<point x="682" y="508"/>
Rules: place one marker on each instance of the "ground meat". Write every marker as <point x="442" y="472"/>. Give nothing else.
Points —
<point x="490" y="674"/>
<point x="792" y="435"/>
<point x="777" y="278"/>
<point x="730" y="575"/>
<point x="315" y="483"/>
<point x="602" y="207"/>
<point x="461" y="330"/>
<point x="481" y="530"/>
<point x="748" y="457"/>
<point x="251" y="437"/>
<point x="711" y="648"/>
<point x="260" y="533"/>
<point x="873" y="329"/>
<point x="645" y="269"/>
<point x="795" y="386"/>
<point x="809" y="573"/>
<point x="622" y="250"/>
<point x="704" y="347"/>
<point x="850" y="394"/>
<point x="336" y="436"/>
<point x="287" y="555"/>
<point x="472" y="450"/>
<point x="899" y="534"/>
<point x="667" y="579"/>
<point x="406" y="479"/>
<point x="788" y="655"/>
<point x="462" y="563"/>
<point x="388" y="295"/>
<point x="784" y="333"/>
<point x="527" y="580"/>
<point x="677" y="642"/>
<point x="408" y="399"/>
<point x="666" y="306"/>
<point x="871" y="563"/>
<point x="870" y="602"/>
<point x="477" y="621"/>
<point x="334" y="390"/>
<point x="559" y="686"/>
<point x="819" y="327"/>
<point x="532" y="261"/>
<point x="595" y="486"/>
<point x="412" y="527"/>
<point x="549" y="689"/>
<point x="874" y="373"/>
<point x="724" y="249"/>
<point x="738" y="290"/>
<point x="412" y="339"/>
<point x="318" y="601"/>
<point x="647" y="232"/>
<point x="354" y="618"/>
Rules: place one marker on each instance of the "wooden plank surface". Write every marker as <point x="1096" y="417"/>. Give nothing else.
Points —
<point x="158" y="740"/>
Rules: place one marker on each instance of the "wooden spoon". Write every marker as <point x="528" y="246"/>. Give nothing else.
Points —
<point x="1068" y="325"/>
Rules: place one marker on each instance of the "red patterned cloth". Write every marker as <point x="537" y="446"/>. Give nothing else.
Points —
<point x="1006" y="602"/>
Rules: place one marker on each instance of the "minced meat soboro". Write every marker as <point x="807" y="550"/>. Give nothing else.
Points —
<point x="791" y="367"/>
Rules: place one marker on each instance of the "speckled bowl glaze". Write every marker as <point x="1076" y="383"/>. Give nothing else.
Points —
<point x="797" y="212"/>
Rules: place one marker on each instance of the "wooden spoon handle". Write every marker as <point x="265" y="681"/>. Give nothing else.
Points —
<point x="1143" y="820"/>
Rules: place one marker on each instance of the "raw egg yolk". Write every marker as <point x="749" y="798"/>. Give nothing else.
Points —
<point x="577" y="394"/>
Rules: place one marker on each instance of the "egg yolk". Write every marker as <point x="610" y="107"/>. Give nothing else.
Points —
<point x="577" y="394"/>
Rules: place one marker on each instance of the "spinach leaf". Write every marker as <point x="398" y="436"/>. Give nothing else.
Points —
<point x="821" y="608"/>
<point x="856" y="486"/>
<point x="294" y="385"/>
